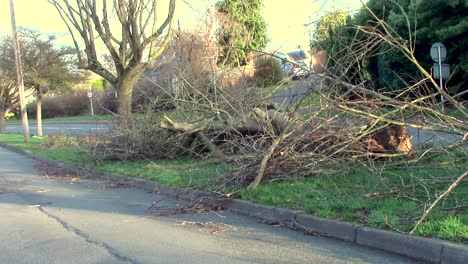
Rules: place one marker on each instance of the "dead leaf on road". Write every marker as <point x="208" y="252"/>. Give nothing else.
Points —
<point x="209" y="227"/>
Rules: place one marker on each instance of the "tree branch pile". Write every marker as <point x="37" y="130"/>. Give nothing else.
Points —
<point x="351" y="122"/>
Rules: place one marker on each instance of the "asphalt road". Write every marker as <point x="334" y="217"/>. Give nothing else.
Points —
<point x="54" y="219"/>
<point x="300" y="88"/>
<point x="65" y="127"/>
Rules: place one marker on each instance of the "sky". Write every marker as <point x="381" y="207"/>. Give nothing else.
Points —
<point x="287" y="20"/>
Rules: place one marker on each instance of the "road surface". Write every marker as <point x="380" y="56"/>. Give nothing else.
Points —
<point x="57" y="219"/>
<point x="300" y="88"/>
<point x="62" y="127"/>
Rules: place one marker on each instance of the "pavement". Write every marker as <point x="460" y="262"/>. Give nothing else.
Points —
<point x="69" y="218"/>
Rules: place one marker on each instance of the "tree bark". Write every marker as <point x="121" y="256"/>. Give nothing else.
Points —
<point x="124" y="98"/>
<point x="2" y="120"/>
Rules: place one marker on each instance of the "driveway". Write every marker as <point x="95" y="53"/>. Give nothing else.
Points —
<point x="297" y="91"/>
<point x="52" y="217"/>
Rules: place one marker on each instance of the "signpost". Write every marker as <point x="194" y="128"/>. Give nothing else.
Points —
<point x="438" y="54"/>
<point x="90" y="96"/>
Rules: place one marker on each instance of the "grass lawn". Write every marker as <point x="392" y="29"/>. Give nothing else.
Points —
<point x="367" y="199"/>
<point x="391" y="199"/>
<point x="181" y="172"/>
<point x="274" y="89"/>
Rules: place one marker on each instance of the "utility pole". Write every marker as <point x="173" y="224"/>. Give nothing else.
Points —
<point x="19" y="73"/>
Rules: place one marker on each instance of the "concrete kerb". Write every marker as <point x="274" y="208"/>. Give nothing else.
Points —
<point x="429" y="250"/>
<point x="326" y="227"/>
<point x="419" y="248"/>
<point x="454" y="254"/>
<point x="268" y="213"/>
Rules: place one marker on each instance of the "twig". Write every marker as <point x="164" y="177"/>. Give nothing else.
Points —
<point x="263" y="164"/>
<point x="450" y="189"/>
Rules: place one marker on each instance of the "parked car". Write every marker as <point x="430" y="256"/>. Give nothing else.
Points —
<point x="9" y="114"/>
<point x="295" y="64"/>
<point x="301" y="62"/>
<point x="285" y="62"/>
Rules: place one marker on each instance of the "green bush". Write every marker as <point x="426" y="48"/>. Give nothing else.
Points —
<point x="267" y="72"/>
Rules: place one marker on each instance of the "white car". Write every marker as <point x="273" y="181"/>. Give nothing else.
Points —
<point x="294" y="63"/>
<point x="301" y="63"/>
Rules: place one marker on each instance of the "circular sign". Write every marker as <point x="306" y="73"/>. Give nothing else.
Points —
<point x="435" y="52"/>
<point x="90" y="94"/>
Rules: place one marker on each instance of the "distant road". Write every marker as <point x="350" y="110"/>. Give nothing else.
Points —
<point x="300" y="88"/>
<point x="66" y="127"/>
<point x="421" y="137"/>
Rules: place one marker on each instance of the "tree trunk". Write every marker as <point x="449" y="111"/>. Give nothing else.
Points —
<point x="2" y="120"/>
<point x="124" y="99"/>
<point x="39" y="113"/>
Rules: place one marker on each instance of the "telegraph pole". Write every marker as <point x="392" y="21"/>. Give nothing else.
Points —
<point x="19" y="73"/>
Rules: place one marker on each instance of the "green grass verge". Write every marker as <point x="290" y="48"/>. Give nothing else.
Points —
<point x="269" y="91"/>
<point x="361" y="197"/>
<point x="311" y="100"/>
<point x="180" y="172"/>
<point x="392" y="199"/>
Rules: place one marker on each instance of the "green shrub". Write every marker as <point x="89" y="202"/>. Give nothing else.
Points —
<point x="267" y="71"/>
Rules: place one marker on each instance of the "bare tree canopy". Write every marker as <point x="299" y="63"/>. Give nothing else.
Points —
<point x="134" y="44"/>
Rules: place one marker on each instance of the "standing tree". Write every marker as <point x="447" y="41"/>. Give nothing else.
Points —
<point x="8" y="96"/>
<point x="421" y="24"/>
<point x="47" y="68"/>
<point x="330" y="33"/>
<point x="134" y="35"/>
<point x="242" y="30"/>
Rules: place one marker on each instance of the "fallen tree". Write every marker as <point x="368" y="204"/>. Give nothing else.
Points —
<point x="350" y="121"/>
<point x="349" y="128"/>
<point x="375" y="137"/>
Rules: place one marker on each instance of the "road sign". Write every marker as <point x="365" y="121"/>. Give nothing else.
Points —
<point x="438" y="54"/>
<point x="90" y="94"/>
<point x="445" y="71"/>
<point x="435" y="52"/>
